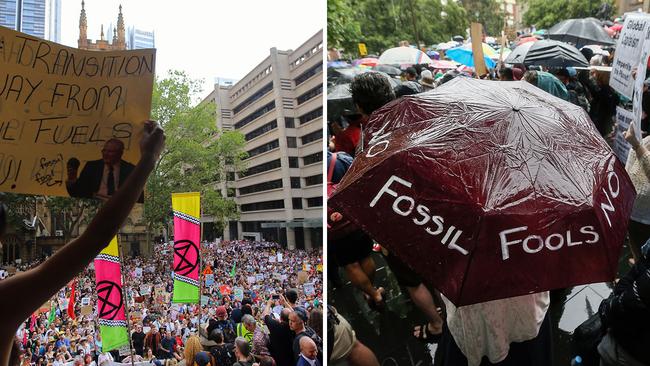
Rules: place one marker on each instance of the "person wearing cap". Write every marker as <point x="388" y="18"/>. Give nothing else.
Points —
<point x="297" y="320"/>
<point x="203" y="359"/>
<point x="223" y="323"/>
<point x="411" y="74"/>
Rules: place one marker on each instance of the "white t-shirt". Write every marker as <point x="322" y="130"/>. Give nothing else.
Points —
<point x="488" y="328"/>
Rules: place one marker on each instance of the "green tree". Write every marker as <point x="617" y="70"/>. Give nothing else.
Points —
<point x="547" y="13"/>
<point x="73" y="211"/>
<point x="486" y="12"/>
<point x="196" y="154"/>
<point x="343" y="30"/>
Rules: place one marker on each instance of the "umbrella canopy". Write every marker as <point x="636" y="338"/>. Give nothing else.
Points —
<point x="390" y="70"/>
<point x="458" y="38"/>
<point x="549" y="53"/>
<point x="447" y="45"/>
<point x="465" y="55"/>
<point x="433" y="54"/>
<point x="368" y="61"/>
<point x="541" y="32"/>
<point x="444" y="64"/>
<point x="339" y="101"/>
<point x="580" y="32"/>
<point x="481" y="187"/>
<point x="403" y="56"/>
<point x="526" y="39"/>
<point x="616" y="27"/>
<point x="337" y="64"/>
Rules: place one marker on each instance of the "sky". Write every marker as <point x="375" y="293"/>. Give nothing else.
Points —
<point x="208" y="38"/>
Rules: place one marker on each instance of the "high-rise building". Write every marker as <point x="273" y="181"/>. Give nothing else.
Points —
<point x="53" y="21"/>
<point x="278" y="107"/>
<point x="139" y="39"/>
<point x="27" y="16"/>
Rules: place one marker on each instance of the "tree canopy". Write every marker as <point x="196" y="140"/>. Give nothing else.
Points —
<point x="547" y="13"/>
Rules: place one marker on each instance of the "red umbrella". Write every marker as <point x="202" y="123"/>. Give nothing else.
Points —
<point x="368" y="61"/>
<point x="490" y="190"/>
<point x="616" y="27"/>
<point x="527" y="39"/>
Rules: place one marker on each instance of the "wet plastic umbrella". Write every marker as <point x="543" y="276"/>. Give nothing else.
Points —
<point x="465" y="55"/>
<point x="403" y="56"/>
<point x="444" y="64"/>
<point x="580" y="32"/>
<point x="549" y="53"/>
<point x="390" y="70"/>
<point x="368" y="61"/>
<point x="490" y="190"/>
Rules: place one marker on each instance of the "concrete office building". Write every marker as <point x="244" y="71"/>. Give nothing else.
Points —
<point x="53" y="21"/>
<point x="27" y="16"/>
<point x="278" y="107"/>
<point x="138" y="39"/>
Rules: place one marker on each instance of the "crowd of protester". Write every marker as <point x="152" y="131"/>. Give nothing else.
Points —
<point x="265" y="324"/>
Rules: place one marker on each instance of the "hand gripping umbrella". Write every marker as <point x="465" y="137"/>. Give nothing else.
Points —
<point x="490" y="190"/>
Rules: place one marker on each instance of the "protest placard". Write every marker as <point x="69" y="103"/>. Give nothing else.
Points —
<point x="251" y="279"/>
<point x="205" y="300"/>
<point x="259" y="277"/>
<point x="138" y="272"/>
<point x="476" y="32"/>
<point x="272" y="259"/>
<point x="319" y="267"/>
<point x="86" y="310"/>
<point x="209" y="280"/>
<point x="238" y="293"/>
<point x="145" y="290"/>
<point x="309" y="289"/>
<point x="62" y="109"/>
<point x="302" y="277"/>
<point x="622" y="147"/>
<point x="628" y="52"/>
<point x="279" y="257"/>
<point x="85" y="301"/>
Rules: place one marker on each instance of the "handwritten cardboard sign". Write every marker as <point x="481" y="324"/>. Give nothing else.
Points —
<point x="68" y="114"/>
<point x="629" y="48"/>
<point x="622" y="147"/>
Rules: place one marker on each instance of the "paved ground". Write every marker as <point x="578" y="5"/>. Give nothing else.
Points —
<point x="389" y="334"/>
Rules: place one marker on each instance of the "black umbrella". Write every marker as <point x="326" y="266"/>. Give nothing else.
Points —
<point x="547" y="53"/>
<point x="339" y="98"/>
<point x="388" y="69"/>
<point x="580" y="32"/>
<point x="458" y="38"/>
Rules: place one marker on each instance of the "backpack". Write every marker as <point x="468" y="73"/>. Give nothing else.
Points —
<point x="223" y="355"/>
<point x="340" y="229"/>
<point x="228" y="330"/>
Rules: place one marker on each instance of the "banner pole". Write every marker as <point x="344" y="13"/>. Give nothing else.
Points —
<point x="126" y="303"/>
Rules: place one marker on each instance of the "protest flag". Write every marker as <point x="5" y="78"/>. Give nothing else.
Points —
<point x="233" y="270"/>
<point x="52" y="315"/>
<point x="110" y="300"/>
<point x="187" y="236"/>
<point x="71" y="302"/>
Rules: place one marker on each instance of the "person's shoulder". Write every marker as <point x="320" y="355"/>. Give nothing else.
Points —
<point x="126" y="164"/>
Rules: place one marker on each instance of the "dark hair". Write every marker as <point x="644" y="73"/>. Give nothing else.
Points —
<point x="216" y="335"/>
<point x="246" y="301"/>
<point x="562" y="72"/>
<point x="291" y="295"/>
<point x="284" y="315"/>
<point x="247" y="309"/>
<point x="506" y="72"/>
<point x="411" y="71"/>
<point x="267" y="361"/>
<point x="316" y="321"/>
<point x="370" y="91"/>
<point x="242" y="345"/>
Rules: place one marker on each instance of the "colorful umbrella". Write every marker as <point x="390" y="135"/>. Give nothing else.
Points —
<point x="482" y="187"/>
<point x="465" y="56"/>
<point x="367" y="61"/>
<point x="403" y="56"/>
<point x="444" y="64"/>
<point x="616" y="27"/>
<point x="527" y="39"/>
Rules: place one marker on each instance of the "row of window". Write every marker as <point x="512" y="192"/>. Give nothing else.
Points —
<point x="263" y="148"/>
<point x="314" y="180"/>
<point x="265" y="205"/>
<point x="262" y="74"/>
<point x="261" y="187"/>
<point x="261" y="130"/>
<point x="313" y="158"/>
<point x="311" y="137"/>
<point x="310" y="116"/>
<point x="254" y="115"/>
<point x="260" y="93"/>
<point x="274" y="164"/>
<point x="309" y="73"/>
<point x="309" y="94"/>
<point x="306" y="55"/>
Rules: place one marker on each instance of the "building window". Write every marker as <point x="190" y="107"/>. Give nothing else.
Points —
<point x="261" y="187"/>
<point x="262" y="130"/>
<point x="311" y="137"/>
<point x="260" y="206"/>
<point x="313" y="158"/>
<point x="291" y="142"/>
<point x="310" y="116"/>
<point x="293" y="162"/>
<point x="288" y="122"/>
<point x="274" y="164"/>
<point x="310" y="94"/>
<point x="314" y="180"/>
<point x="260" y="93"/>
<point x="230" y="192"/>
<point x="295" y="182"/>
<point x="315" y="202"/>
<point x="296" y="203"/>
<point x="230" y="177"/>
<point x="309" y="73"/>
<point x="263" y="148"/>
<point x="248" y="119"/>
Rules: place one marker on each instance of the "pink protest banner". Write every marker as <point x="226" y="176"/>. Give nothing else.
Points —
<point x="187" y="240"/>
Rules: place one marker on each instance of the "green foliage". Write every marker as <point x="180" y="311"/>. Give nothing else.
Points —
<point x="547" y="13"/>
<point x="74" y="211"/>
<point x="486" y="12"/>
<point x="383" y="24"/>
<point x="196" y="153"/>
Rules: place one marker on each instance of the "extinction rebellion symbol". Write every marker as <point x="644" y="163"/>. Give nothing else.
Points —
<point x="108" y="308"/>
<point x="188" y="257"/>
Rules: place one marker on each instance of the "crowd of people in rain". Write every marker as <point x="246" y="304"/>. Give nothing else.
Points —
<point x="264" y="324"/>
<point x="519" y="328"/>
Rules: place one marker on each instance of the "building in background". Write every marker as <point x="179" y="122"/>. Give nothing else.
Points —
<point x="278" y="107"/>
<point x="53" y="21"/>
<point x="626" y="6"/>
<point x="138" y="39"/>
<point x="27" y="16"/>
<point x="117" y="35"/>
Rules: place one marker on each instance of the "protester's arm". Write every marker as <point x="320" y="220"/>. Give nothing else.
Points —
<point x="640" y="150"/>
<point x="267" y="308"/>
<point x="68" y="261"/>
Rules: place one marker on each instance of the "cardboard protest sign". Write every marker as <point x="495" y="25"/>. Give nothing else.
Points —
<point x="145" y="290"/>
<point x="209" y="280"/>
<point x="622" y="147"/>
<point x="302" y="277"/>
<point x="86" y="310"/>
<point x="279" y="257"/>
<point x="70" y="119"/>
<point x="309" y="289"/>
<point x="205" y="300"/>
<point x="628" y="52"/>
<point x="476" y="32"/>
